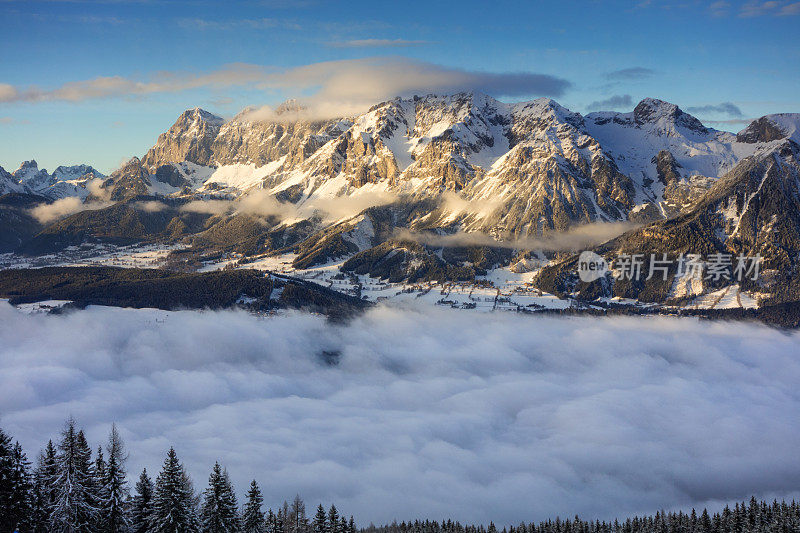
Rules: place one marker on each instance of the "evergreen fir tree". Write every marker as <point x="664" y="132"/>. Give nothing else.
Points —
<point x="114" y="492"/>
<point x="272" y="522"/>
<point x="99" y="489"/>
<point x="73" y="510"/>
<point x="219" y="513"/>
<point x="320" y="520"/>
<point x="44" y="489"/>
<point x="99" y="468"/>
<point x="22" y="503"/>
<point x="7" y="521"/>
<point x="333" y="520"/>
<point x="253" y="520"/>
<point x="142" y="504"/>
<point x="351" y="526"/>
<point x="174" y="503"/>
<point x="15" y="486"/>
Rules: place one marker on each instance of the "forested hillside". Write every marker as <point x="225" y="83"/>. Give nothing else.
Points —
<point x="170" y="290"/>
<point x="71" y="489"/>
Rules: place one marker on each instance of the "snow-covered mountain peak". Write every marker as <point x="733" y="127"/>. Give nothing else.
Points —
<point x="772" y="127"/>
<point x="544" y="112"/>
<point x="27" y="170"/>
<point x="200" y="115"/>
<point x="75" y="172"/>
<point x="29" y="175"/>
<point x="290" y="106"/>
<point x="651" y="111"/>
<point x="189" y="139"/>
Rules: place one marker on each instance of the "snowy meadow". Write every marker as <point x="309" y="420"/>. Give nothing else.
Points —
<point x="433" y="413"/>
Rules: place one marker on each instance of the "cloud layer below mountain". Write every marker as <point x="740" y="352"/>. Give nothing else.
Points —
<point x="428" y="414"/>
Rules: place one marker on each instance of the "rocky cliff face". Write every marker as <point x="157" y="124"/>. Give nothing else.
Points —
<point x="754" y="210"/>
<point x="517" y="169"/>
<point x="771" y="128"/>
<point x="129" y="181"/>
<point x="189" y="139"/>
<point x="554" y="176"/>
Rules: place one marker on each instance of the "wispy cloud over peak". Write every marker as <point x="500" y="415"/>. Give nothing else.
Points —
<point x="618" y="101"/>
<point x="632" y="73"/>
<point x="725" y="108"/>
<point x="337" y="87"/>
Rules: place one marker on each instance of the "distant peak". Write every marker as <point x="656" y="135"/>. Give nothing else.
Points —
<point x="653" y="110"/>
<point x="771" y="128"/>
<point x="290" y="106"/>
<point x="32" y="164"/>
<point x="201" y="114"/>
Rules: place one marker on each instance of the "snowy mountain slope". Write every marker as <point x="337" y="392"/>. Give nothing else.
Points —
<point x="771" y="128"/>
<point x="8" y="183"/>
<point x="554" y="176"/>
<point x="634" y="139"/>
<point x="133" y="179"/>
<point x="754" y="210"/>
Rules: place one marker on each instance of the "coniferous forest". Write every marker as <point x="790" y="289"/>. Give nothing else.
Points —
<point x="71" y="489"/>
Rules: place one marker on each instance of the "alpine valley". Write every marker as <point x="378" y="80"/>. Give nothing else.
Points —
<point x="460" y="200"/>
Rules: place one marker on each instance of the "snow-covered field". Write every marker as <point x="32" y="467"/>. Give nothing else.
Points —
<point x="135" y="256"/>
<point x="429" y="413"/>
<point x="501" y="289"/>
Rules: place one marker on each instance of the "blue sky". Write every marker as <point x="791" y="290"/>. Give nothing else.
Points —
<point x="97" y="81"/>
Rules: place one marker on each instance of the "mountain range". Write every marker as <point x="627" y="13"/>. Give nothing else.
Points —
<point x="384" y="191"/>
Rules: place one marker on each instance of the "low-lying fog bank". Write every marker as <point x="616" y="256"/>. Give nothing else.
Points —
<point x="407" y="413"/>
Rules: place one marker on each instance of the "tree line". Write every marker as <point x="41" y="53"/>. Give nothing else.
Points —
<point x="72" y="490"/>
<point x="753" y="517"/>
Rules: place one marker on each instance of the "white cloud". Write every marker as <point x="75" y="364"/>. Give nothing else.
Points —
<point x="617" y="101"/>
<point x="259" y="202"/>
<point x="45" y="213"/>
<point x="238" y="24"/>
<point x="63" y="207"/>
<point x="236" y="74"/>
<point x="376" y="43"/>
<point x="151" y="206"/>
<point x="337" y="208"/>
<point x="632" y="73"/>
<point x="725" y="108"/>
<point x="436" y="414"/>
<point x="208" y="207"/>
<point x="576" y="239"/>
<point x="777" y="8"/>
<point x="332" y="89"/>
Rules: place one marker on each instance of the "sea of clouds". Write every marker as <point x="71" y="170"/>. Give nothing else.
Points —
<point x="429" y="413"/>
